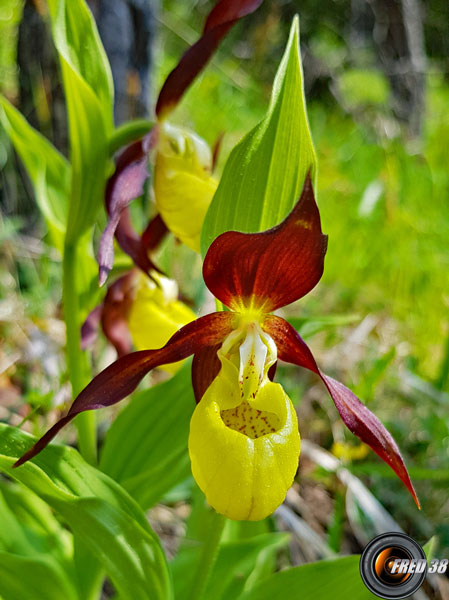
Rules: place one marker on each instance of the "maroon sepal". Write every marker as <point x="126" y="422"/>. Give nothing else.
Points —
<point x="116" y="307"/>
<point x="122" y="377"/>
<point x="154" y="233"/>
<point x="355" y="415"/>
<point x="205" y="367"/>
<point x="89" y="329"/>
<point x="126" y="184"/>
<point x="220" y="20"/>
<point x="272" y="268"/>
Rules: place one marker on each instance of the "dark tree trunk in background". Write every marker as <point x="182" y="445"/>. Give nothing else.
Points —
<point x="127" y="29"/>
<point x="399" y="36"/>
<point x="40" y="90"/>
<point x="41" y="101"/>
<point x="361" y="32"/>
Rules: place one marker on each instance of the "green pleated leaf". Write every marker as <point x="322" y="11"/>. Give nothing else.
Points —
<point x="265" y="172"/>
<point x="29" y="527"/>
<point x="37" y="578"/>
<point x="77" y="40"/>
<point x="48" y="170"/>
<point x="146" y="447"/>
<point x="99" y="512"/>
<point x="338" y="579"/>
<point x="88" y="91"/>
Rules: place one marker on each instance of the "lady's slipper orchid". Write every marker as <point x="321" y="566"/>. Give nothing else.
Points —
<point x="244" y="444"/>
<point x="139" y="311"/>
<point x="183" y="184"/>
<point x="156" y="314"/>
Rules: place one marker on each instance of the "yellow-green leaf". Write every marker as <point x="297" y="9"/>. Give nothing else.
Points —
<point x="265" y="172"/>
<point x="88" y="90"/>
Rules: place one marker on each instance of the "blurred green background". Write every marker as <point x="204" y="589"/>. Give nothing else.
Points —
<point x="377" y="86"/>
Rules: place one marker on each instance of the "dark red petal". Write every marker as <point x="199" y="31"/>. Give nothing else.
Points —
<point x="229" y="10"/>
<point x="364" y="424"/>
<point x="290" y="345"/>
<point x="355" y="415"/>
<point x="126" y="184"/>
<point x="272" y="268"/>
<point x="122" y="377"/>
<point x="114" y="318"/>
<point x="222" y="17"/>
<point x="154" y="233"/>
<point x="205" y="367"/>
<point x="132" y="244"/>
<point x="89" y="329"/>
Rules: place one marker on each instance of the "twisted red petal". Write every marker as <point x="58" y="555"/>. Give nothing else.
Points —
<point x="126" y="184"/>
<point x="114" y="317"/>
<point x="272" y="268"/>
<point x="154" y="233"/>
<point x="355" y="415"/>
<point x="222" y="17"/>
<point x="122" y="377"/>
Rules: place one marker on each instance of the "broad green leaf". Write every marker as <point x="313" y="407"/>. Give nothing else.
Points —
<point x="265" y="172"/>
<point x="338" y="579"/>
<point x="88" y="152"/>
<point x="146" y="447"/>
<point x="13" y="537"/>
<point x="88" y="91"/>
<point x="98" y="511"/>
<point x="32" y="578"/>
<point x="48" y="170"/>
<point x="29" y="527"/>
<point x="77" y="40"/>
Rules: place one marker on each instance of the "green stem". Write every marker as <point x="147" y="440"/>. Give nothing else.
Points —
<point x="76" y="359"/>
<point x="208" y="557"/>
<point x="127" y="133"/>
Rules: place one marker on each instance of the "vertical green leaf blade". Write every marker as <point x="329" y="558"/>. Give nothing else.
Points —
<point x="265" y="172"/>
<point x="88" y="89"/>
<point x="78" y="43"/>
